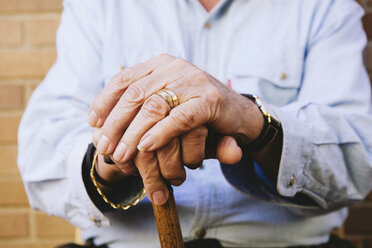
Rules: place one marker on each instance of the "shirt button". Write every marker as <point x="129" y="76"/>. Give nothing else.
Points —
<point x="96" y="222"/>
<point x="200" y="233"/>
<point x="207" y="25"/>
<point x="122" y="67"/>
<point x="291" y="181"/>
<point x="283" y="76"/>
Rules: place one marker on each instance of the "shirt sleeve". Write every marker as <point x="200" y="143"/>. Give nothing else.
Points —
<point x="327" y="145"/>
<point x="122" y="192"/>
<point x="54" y="134"/>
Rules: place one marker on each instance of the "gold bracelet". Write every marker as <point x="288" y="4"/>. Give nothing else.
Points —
<point x="114" y="205"/>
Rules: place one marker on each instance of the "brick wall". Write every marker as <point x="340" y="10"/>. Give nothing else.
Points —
<point x="27" y="50"/>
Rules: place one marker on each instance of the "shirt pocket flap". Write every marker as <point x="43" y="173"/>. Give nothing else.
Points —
<point x="277" y="83"/>
<point x="282" y="74"/>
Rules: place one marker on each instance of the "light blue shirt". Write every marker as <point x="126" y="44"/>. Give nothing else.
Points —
<point x="303" y="58"/>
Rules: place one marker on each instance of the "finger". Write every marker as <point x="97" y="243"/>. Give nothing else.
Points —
<point x="96" y="136"/>
<point x="228" y="151"/>
<point x="127" y="168"/>
<point x="193" y="147"/>
<point x="152" y="111"/>
<point x="169" y="159"/>
<point x="108" y="172"/>
<point x="127" y="108"/>
<point x="223" y="148"/>
<point x="121" y="169"/>
<point x="110" y="95"/>
<point x="155" y="186"/>
<point x="136" y="94"/>
<point x="180" y="120"/>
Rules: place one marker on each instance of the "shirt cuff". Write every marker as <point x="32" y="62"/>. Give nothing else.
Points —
<point x="248" y="177"/>
<point x="243" y="177"/>
<point x="91" y="190"/>
<point x="81" y="209"/>
<point x="126" y="190"/>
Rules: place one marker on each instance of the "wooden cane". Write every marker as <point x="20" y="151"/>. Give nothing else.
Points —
<point x="169" y="229"/>
<point x="166" y="217"/>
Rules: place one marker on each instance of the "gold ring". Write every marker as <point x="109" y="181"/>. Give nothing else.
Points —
<point x="169" y="97"/>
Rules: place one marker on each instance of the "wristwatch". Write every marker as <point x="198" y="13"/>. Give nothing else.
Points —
<point x="270" y="129"/>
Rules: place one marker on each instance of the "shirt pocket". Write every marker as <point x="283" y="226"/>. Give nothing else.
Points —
<point x="276" y="82"/>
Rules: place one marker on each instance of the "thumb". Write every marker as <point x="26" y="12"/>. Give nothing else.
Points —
<point x="228" y="151"/>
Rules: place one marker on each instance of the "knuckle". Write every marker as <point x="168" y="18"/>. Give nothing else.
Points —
<point x="182" y="64"/>
<point x="169" y="154"/>
<point x="113" y="127"/>
<point x="212" y="95"/>
<point x="212" y="102"/>
<point x="172" y="148"/>
<point x="183" y="119"/>
<point x="152" y="183"/>
<point x="165" y="56"/>
<point x="180" y="61"/>
<point x="134" y="94"/>
<point x="154" y="107"/>
<point x="144" y="157"/>
<point x="147" y="167"/>
<point x="150" y="176"/>
<point x="199" y="133"/>
<point x="97" y="106"/>
<point x="200" y="76"/>
<point x="125" y="75"/>
<point x="117" y="81"/>
<point x="171" y="173"/>
<point x="126" y="168"/>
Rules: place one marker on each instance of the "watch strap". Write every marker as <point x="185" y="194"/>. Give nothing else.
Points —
<point x="269" y="131"/>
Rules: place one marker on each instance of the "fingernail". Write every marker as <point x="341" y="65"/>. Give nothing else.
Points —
<point x="92" y="118"/>
<point x="127" y="155"/>
<point x="146" y="143"/>
<point x="159" y="197"/>
<point x="103" y="144"/>
<point x="120" y="152"/>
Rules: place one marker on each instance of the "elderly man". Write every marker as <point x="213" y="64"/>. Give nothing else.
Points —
<point x="271" y="94"/>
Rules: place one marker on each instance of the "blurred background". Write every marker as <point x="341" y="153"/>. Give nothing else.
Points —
<point x="27" y="51"/>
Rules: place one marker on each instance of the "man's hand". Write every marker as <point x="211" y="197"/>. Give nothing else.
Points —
<point x="130" y="115"/>
<point x="166" y="162"/>
<point x="128" y="103"/>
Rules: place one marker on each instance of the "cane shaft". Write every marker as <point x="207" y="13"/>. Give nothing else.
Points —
<point x="168" y="225"/>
